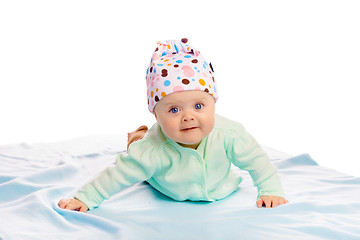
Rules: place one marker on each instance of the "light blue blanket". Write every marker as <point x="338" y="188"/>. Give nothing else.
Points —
<point x="324" y="204"/>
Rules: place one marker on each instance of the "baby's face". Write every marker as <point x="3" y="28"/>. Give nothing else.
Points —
<point x="186" y="117"/>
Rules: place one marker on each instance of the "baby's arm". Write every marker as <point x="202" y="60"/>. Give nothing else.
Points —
<point x="77" y="205"/>
<point x="270" y="201"/>
<point x="73" y="204"/>
<point x="247" y="154"/>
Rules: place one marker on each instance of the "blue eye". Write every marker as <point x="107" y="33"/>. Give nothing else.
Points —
<point x="198" y="106"/>
<point x="174" y="110"/>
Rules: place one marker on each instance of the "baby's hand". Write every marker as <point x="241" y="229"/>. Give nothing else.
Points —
<point x="73" y="204"/>
<point x="270" y="201"/>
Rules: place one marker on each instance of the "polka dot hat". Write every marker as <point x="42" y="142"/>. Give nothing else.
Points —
<point x="174" y="67"/>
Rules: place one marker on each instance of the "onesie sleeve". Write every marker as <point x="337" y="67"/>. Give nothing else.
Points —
<point x="246" y="153"/>
<point x="138" y="165"/>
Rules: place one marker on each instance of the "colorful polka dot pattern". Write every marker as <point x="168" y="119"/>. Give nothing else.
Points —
<point x="174" y="67"/>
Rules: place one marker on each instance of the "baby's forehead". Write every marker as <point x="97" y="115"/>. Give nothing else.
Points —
<point x="185" y="97"/>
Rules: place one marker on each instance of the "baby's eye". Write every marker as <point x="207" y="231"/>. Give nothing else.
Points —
<point x="174" y="110"/>
<point x="198" y="106"/>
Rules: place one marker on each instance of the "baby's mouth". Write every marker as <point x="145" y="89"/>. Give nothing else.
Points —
<point x="188" y="129"/>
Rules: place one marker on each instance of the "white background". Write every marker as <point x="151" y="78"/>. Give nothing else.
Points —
<point x="288" y="70"/>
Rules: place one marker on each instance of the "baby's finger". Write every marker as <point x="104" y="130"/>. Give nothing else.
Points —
<point x="268" y="203"/>
<point x="259" y="203"/>
<point x="283" y="201"/>
<point x="73" y="206"/>
<point x="276" y="202"/>
<point x="63" y="203"/>
<point x="83" y="208"/>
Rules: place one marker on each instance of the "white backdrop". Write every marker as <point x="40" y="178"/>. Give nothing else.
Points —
<point x="288" y="70"/>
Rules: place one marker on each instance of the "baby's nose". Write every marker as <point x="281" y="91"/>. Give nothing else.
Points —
<point x="187" y="117"/>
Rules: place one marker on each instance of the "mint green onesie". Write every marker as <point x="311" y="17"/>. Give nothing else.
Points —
<point x="203" y="174"/>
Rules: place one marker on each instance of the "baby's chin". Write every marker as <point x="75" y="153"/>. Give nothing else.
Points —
<point x="189" y="145"/>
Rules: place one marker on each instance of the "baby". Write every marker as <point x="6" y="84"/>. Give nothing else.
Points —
<point x="188" y="153"/>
